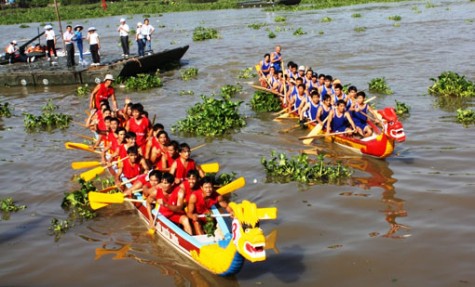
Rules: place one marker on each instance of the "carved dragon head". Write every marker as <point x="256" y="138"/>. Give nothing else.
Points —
<point x="392" y="126"/>
<point x="247" y="235"/>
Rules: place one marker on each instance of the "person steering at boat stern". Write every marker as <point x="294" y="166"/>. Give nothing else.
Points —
<point x="103" y="91"/>
<point x="171" y="199"/>
<point x="201" y="201"/>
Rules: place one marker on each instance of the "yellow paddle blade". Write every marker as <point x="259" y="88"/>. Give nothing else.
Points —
<point x="96" y="205"/>
<point x="232" y="186"/>
<point x="84" y="164"/>
<point x="212" y="167"/>
<point x="267" y="213"/>
<point x="315" y="131"/>
<point x="258" y="67"/>
<point x="107" y="189"/>
<point x="80" y="146"/>
<point x="105" y="198"/>
<point x="91" y="174"/>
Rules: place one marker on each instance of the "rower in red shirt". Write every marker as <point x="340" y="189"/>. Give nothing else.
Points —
<point x="103" y="91"/>
<point x="171" y="200"/>
<point x="201" y="201"/>
<point x="184" y="163"/>
<point x="132" y="166"/>
<point x="138" y="124"/>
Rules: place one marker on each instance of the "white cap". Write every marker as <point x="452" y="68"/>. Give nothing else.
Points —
<point x="14" y="42"/>
<point x="122" y="20"/>
<point x="48" y="27"/>
<point x="91" y="29"/>
<point x="302" y="68"/>
<point x="109" y="77"/>
<point x="139" y="24"/>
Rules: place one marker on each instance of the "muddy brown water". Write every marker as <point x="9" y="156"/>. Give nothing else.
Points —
<point x="404" y="221"/>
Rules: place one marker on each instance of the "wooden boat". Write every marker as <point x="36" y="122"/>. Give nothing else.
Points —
<point x="380" y="144"/>
<point x="44" y="73"/>
<point x="224" y="253"/>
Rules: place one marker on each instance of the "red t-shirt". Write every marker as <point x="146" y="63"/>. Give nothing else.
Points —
<point x="140" y="130"/>
<point x="104" y="93"/>
<point x="181" y="171"/>
<point x="203" y="205"/>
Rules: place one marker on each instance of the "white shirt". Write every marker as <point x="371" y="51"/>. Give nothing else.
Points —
<point x="147" y="30"/>
<point x="10" y="49"/>
<point x="49" y="34"/>
<point x="67" y="36"/>
<point x="139" y="33"/>
<point x="93" y="38"/>
<point x="123" y="30"/>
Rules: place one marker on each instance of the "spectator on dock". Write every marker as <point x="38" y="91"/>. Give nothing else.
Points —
<point x="78" y="38"/>
<point x="68" y="41"/>
<point x="94" y="45"/>
<point x="50" y="42"/>
<point x="124" y="37"/>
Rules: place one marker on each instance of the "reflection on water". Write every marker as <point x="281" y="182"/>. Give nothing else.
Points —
<point x="377" y="174"/>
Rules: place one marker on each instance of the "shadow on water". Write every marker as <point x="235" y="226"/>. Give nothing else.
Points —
<point x="279" y="266"/>
<point x="17" y="232"/>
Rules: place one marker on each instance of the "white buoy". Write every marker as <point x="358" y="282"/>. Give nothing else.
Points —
<point x="97" y="80"/>
<point x="23" y="82"/>
<point x="255" y="180"/>
<point x="45" y="82"/>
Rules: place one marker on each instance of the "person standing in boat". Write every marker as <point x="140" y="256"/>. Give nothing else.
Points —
<point x="139" y="38"/>
<point x="103" y="91"/>
<point x="147" y="31"/>
<point x="201" y="202"/>
<point x="94" y="45"/>
<point x="276" y="59"/>
<point x="68" y="41"/>
<point x="339" y="120"/>
<point x="124" y="37"/>
<point x="50" y="42"/>
<point x="78" y="39"/>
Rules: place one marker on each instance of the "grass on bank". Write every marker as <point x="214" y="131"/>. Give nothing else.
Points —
<point x="152" y="8"/>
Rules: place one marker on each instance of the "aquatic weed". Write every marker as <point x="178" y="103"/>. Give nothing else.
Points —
<point x="451" y="84"/>
<point x="359" y="29"/>
<point x="83" y="90"/>
<point x="299" y="32"/>
<point x="201" y="33"/>
<point x="247" y="73"/>
<point x="395" y="18"/>
<point x="142" y="82"/>
<point x="256" y="26"/>
<point x="465" y="116"/>
<point x="379" y="85"/>
<point x="231" y="90"/>
<point x="280" y="19"/>
<point x="271" y="35"/>
<point x="300" y="168"/>
<point x="326" y="19"/>
<point x="5" y="110"/>
<point x="48" y="120"/>
<point x="7" y="206"/>
<point x="356" y="15"/>
<point x="188" y="74"/>
<point x="402" y="108"/>
<point x="265" y="102"/>
<point x="186" y="93"/>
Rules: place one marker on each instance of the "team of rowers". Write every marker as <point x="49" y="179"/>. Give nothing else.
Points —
<point x="159" y="167"/>
<point x="316" y="97"/>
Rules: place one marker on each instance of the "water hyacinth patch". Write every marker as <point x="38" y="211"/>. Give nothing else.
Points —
<point x="395" y="18"/>
<point x="465" y="116"/>
<point x="142" y="82"/>
<point x="451" y="84"/>
<point x="280" y="19"/>
<point x="256" y="26"/>
<point x="5" y="110"/>
<point x="265" y="102"/>
<point x="201" y="33"/>
<point x="7" y="206"/>
<point x="247" y="73"/>
<point x="188" y="74"/>
<point x="301" y="168"/>
<point x="402" y="109"/>
<point x="82" y="91"/>
<point x="48" y="120"/>
<point x="271" y="35"/>
<point x="215" y="116"/>
<point x="326" y="19"/>
<point x="356" y="15"/>
<point x="299" y="32"/>
<point x="359" y="29"/>
<point x="77" y="205"/>
<point x="231" y="90"/>
<point x="379" y="85"/>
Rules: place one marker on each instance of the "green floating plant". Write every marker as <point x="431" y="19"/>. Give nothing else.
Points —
<point x="48" y="120"/>
<point x="201" y="33"/>
<point x="142" y="82"/>
<point x="379" y="85"/>
<point x="451" y="84"/>
<point x="265" y="102"/>
<point x="190" y="73"/>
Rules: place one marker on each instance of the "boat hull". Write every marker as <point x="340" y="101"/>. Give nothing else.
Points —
<point x="43" y="74"/>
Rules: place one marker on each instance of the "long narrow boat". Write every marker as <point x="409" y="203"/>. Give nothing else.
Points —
<point x="380" y="145"/>
<point x="224" y="253"/>
<point x="44" y="73"/>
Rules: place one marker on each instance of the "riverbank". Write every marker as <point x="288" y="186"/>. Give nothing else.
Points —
<point x="147" y="8"/>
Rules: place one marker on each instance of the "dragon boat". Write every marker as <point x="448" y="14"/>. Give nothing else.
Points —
<point x="380" y="145"/>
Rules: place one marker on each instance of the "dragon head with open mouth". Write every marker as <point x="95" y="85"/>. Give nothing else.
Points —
<point x="392" y="126"/>
<point x="247" y="235"/>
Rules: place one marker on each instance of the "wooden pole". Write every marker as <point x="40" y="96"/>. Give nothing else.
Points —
<point x="59" y="23"/>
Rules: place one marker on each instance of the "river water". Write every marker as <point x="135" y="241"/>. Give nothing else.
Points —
<point x="404" y="221"/>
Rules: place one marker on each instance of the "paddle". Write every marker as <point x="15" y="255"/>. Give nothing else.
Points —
<point x="85" y="137"/>
<point x="322" y="135"/>
<point x="232" y="186"/>
<point x="286" y="115"/>
<point x="91" y="174"/>
<point x="107" y="189"/>
<point x="267" y="90"/>
<point x="151" y="231"/>
<point x="315" y="131"/>
<point x="296" y="126"/>
<point x="198" y="147"/>
<point x="80" y="146"/>
<point x="84" y="164"/>
<point x="212" y="167"/>
<point x="98" y="200"/>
